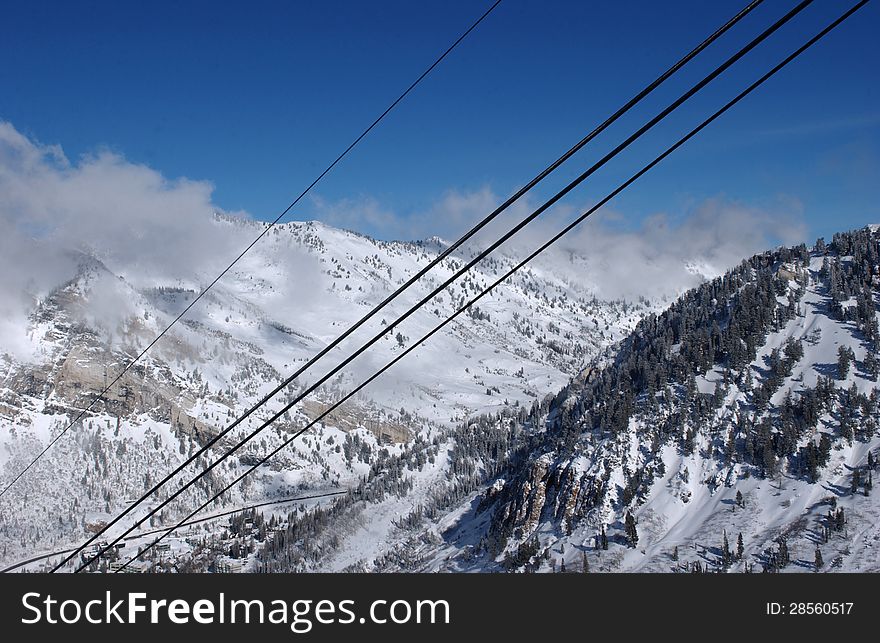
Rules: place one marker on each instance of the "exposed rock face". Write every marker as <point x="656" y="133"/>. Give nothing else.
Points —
<point x="556" y="490"/>
<point x="81" y="368"/>
<point x="191" y="426"/>
<point x="525" y="499"/>
<point x="350" y="416"/>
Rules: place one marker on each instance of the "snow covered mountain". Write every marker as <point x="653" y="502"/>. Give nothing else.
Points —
<point x="296" y="291"/>
<point x="735" y="431"/>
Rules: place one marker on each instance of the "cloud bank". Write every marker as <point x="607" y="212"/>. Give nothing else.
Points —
<point x="153" y="230"/>
<point x="129" y="216"/>
<point x="660" y="257"/>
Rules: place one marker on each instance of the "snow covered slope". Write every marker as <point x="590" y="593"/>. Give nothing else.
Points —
<point x="735" y="431"/>
<point x="295" y="292"/>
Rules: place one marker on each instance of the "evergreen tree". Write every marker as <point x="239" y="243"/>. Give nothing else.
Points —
<point x="824" y="449"/>
<point x="872" y="367"/>
<point x="844" y="359"/>
<point x="675" y="553"/>
<point x="630" y="528"/>
<point x="726" y="556"/>
<point x="585" y="568"/>
<point x="687" y="445"/>
<point x="730" y="449"/>
<point x="783" y="556"/>
<point x="739" y="498"/>
<point x="819" y="561"/>
<point x="740" y="546"/>
<point x="794" y="351"/>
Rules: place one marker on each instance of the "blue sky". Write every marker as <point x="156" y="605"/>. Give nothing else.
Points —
<point x="258" y="97"/>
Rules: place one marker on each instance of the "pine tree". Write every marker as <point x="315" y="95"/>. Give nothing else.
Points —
<point x="783" y="556"/>
<point x="604" y="538"/>
<point x="630" y="528"/>
<point x="844" y="358"/>
<point x="819" y="561"/>
<point x="872" y="368"/>
<point x="740" y="547"/>
<point x="730" y="449"/>
<point x="726" y="557"/>
<point x="687" y="445"/>
<point x="739" y="498"/>
<point x="586" y="564"/>
<point x="675" y="553"/>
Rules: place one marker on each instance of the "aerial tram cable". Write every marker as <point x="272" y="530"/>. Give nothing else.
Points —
<point x="263" y="233"/>
<point x="447" y="252"/>
<point x="718" y="71"/>
<point x="510" y="272"/>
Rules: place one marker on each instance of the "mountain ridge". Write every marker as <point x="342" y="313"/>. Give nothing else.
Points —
<point x="300" y="288"/>
<point x="754" y="452"/>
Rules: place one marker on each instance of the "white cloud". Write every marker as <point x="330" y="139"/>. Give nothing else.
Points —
<point x="448" y="218"/>
<point x="140" y="223"/>
<point x="662" y="256"/>
<point x="129" y="216"/>
<point x="356" y="214"/>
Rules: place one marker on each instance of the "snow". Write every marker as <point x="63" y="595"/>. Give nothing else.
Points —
<point x="299" y="289"/>
<point x="695" y="501"/>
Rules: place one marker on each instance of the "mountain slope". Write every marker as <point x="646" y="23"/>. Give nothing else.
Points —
<point x="746" y="412"/>
<point x="302" y="286"/>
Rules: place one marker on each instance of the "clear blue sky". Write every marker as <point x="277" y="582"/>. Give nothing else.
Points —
<point x="258" y="96"/>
